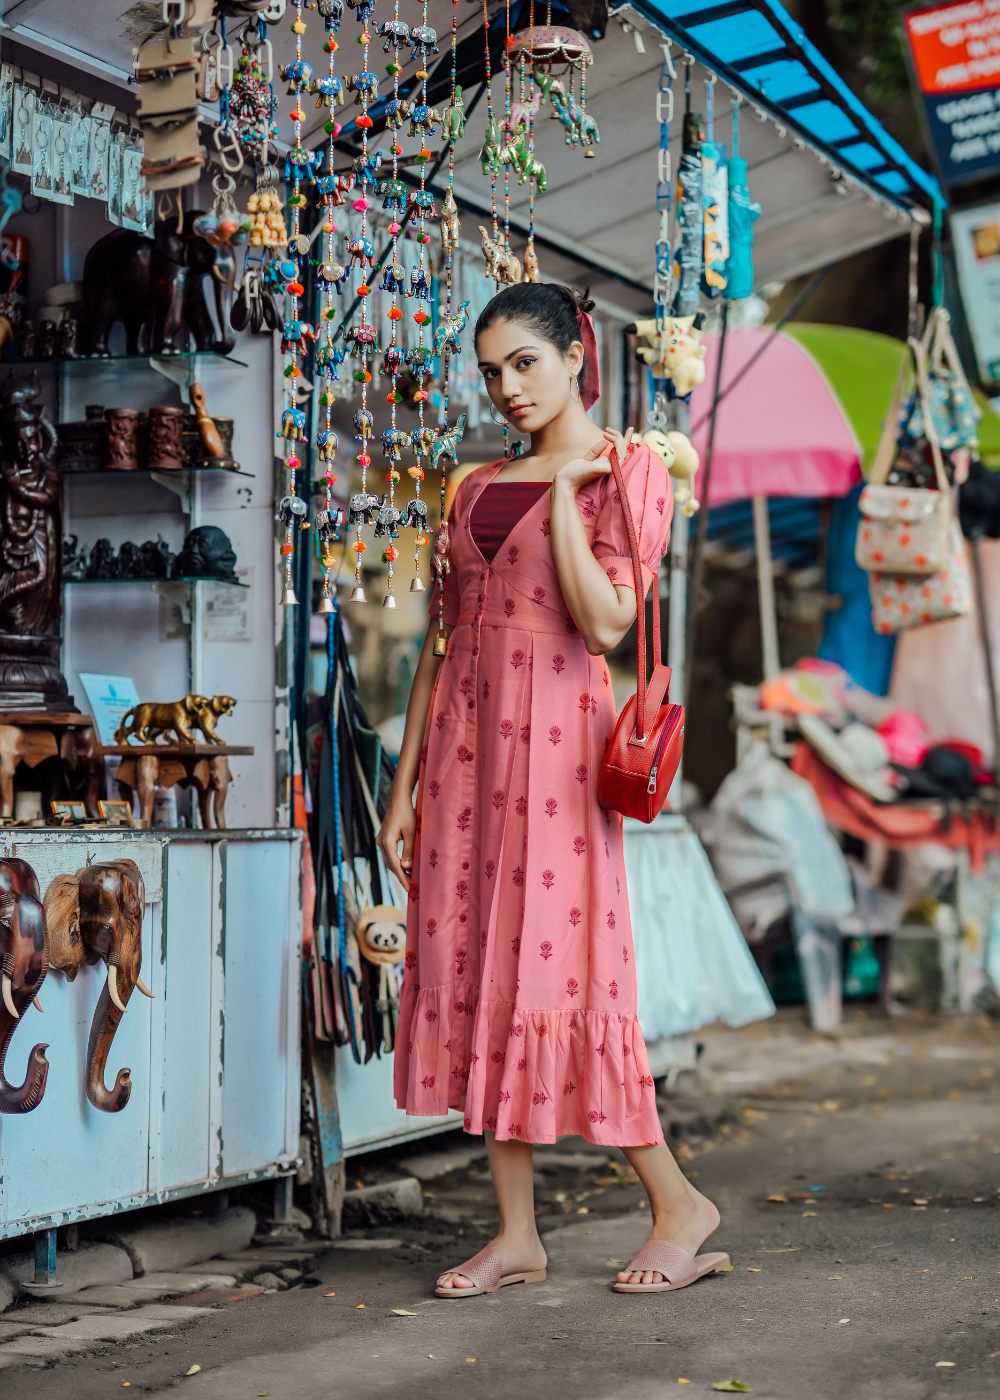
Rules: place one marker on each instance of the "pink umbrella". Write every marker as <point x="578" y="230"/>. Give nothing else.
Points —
<point x="781" y="431"/>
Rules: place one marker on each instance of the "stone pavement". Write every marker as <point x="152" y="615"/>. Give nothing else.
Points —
<point x="872" y="1272"/>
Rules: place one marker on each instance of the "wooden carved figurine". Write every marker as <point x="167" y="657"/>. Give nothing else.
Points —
<point x="24" y="959"/>
<point x="96" y="916"/>
<point x="30" y="555"/>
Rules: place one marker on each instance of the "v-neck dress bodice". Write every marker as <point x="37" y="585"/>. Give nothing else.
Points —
<point x="519" y="994"/>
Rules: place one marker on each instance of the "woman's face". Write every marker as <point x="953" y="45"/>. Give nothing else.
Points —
<point x="527" y="378"/>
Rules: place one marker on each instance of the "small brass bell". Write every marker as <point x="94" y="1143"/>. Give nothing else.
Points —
<point x="389" y="601"/>
<point x="358" y="594"/>
<point x="440" y="645"/>
<point x="288" y="598"/>
<point x="417" y="585"/>
<point x="326" y="604"/>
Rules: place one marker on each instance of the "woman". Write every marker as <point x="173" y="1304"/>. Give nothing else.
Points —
<point x="518" y="1002"/>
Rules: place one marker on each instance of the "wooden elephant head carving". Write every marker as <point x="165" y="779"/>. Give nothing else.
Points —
<point x="24" y="961"/>
<point x="96" y="916"/>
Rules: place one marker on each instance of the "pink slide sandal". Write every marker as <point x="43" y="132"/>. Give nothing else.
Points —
<point x="486" y="1273"/>
<point x="678" y="1267"/>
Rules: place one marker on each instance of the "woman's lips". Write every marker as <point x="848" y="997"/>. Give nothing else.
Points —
<point x="516" y="409"/>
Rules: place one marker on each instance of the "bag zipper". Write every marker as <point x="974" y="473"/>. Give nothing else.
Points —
<point x="668" y="729"/>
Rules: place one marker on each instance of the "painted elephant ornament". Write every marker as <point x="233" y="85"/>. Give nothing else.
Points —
<point x="95" y="916"/>
<point x="24" y="961"/>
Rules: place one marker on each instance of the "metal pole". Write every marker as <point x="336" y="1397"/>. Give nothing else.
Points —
<point x="677" y="613"/>
<point x="765" y="588"/>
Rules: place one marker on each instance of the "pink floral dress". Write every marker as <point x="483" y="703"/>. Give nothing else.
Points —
<point x="519" y="995"/>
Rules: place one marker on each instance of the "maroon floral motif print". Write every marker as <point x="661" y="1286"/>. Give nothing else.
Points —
<point x="497" y="798"/>
<point x="464" y="818"/>
<point x="575" y="916"/>
<point x="462" y="889"/>
<point x="428" y="1081"/>
<point x="512" y="553"/>
<point x="555" y="735"/>
<point x="558" y="663"/>
<point x="506" y="728"/>
<point x="414" y="892"/>
<point x="600" y="1048"/>
<point x="439" y="720"/>
<point x="521" y="806"/>
<point x="525" y="733"/>
<point x="411" y="960"/>
<point x="597" y="535"/>
<point x="548" y="878"/>
<point x="569" y="1089"/>
<point x="504" y="1096"/>
<point x="537" y="1098"/>
<point x="596" y="1117"/>
<point x="517" y="1029"/>
<point x="432" y="859"/>
<point x="491" y="869"/>
<point x="465" y="684"/>
<point x="626" y="1049"/>
<point x="486" y="690"/>
<point x="498" y="1057"/>
<point x="618" y="884"/>
<point x="545" y="950"/>
<point x="463" y="754"/>
<point x="460" y="956"/>
<point x="587" y="508"/>
<point x="588" y="702"/>
<point x="491" y="1123"/>
<point x="572" y="1024"/>
<point x="579" y="845"/>
<point x="613" y="991"/>
<point x="581" y="772"/>
<point x="551" y="807"/>
<point x="546" y="526"/>
<point x="423" y="753"/>
<point x="434" y="788"/>
<point x="430" y="1016"/>
<point x="661" y="501"/>
<point x="518" y="876"/>
<point x="646" y="1081"/>
<point x="571" y="627"/>
<point x="432" y="925"/>
<point x="612" y="571"/>
<point x="482" y="938"/>
<point x="606" y="853"/>
<point x="606" y="678"/>
<point x="538" y="594"/>
<point x="611" y="918"/>
<point x="517" y="659"/>
<point x="543" y="1029"/>
<point x="572" y="986"/>
<point x="514" y="1130"/>
<point x="625" y="955"/>
<point x="508" y="607"/>
<point x="515" y="944"/>
<point x="522" y="1064"/>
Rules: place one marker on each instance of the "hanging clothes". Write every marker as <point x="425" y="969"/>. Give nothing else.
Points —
<point x="690" y="219"/>
<point x="849" y="638"/>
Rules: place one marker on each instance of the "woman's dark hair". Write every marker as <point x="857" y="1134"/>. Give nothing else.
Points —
<point x="549" y="308"/>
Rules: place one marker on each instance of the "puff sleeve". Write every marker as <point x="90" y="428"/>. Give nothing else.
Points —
<point x="651" y="501"/>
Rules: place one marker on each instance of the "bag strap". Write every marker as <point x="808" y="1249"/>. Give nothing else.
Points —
<point x="886" y="449"/>
<point x="930" y="431"/>
<point x="640" y="602"/>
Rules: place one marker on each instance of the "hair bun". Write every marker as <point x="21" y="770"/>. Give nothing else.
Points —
<point x="584" y="302"/>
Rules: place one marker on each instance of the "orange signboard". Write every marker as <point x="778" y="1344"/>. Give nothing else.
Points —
<point x="955" y="47"/>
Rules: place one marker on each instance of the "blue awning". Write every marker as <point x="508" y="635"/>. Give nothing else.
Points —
<point x="757" y="48"/>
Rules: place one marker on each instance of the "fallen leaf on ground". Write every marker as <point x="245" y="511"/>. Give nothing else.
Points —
<point x="991" y="1354"/>
<point x="683" y="1380"/>
<point x="360" y="1305"/>
<point x="329" y="1295"/>
<point x="778" y="1197"/>
<point x="834" y="1278"/>
<point x="560" y="1336"/>
<point x="806" y="1213"/>
<point x="470" y="1359"/>
<point x="732" y="1384"/>
<point x="792" y="1249"/>
<point x="888" y="1205"/>
<point x="583" y="1210"/>
<point x="613" y="1261"/>
<point x="752" y="1270"/>
<point x="843" y="1322"/>
<point x="920" y="1201"/>
<point x="725" y="1269"/>
<point x="192" y="1370"/>
<point x="401" y="1312"/>
<point x="948" y="1364"/>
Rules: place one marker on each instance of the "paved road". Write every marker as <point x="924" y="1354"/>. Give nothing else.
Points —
<point x="857" y="1290"/>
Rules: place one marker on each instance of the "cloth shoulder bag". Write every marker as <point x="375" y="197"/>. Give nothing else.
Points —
<point x="903" y="529"/>
<point x="645" y="749"/>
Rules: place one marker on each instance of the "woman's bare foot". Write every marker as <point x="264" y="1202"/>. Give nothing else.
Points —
<point x="518" y="1253"/>
<point x="688" y="1227"/>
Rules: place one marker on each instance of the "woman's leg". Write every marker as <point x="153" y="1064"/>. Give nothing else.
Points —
<point x="517" y="1243"/>
<point x="680" y="1213"/>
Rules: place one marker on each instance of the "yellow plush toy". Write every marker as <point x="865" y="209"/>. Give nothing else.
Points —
<point x="676" y="354"/>
<point x="680" y="460"/>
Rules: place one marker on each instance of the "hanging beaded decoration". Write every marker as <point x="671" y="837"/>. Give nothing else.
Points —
<point x="663" y="277"/>
<point x="330" y="276"/>
<point x="292" y="509"/>
<point x="363" y="338"/>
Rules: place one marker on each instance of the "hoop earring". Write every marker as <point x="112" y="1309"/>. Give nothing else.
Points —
<point x="575" y="384"/>
<point x="501" y="422"/>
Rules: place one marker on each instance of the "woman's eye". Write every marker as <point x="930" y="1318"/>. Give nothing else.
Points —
<point x="526" y="362"/>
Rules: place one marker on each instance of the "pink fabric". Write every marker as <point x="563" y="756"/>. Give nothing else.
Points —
<point x="906" y="737"/>
<point x="662" y="1257"/>
<point x="483" y="1270"/>
<point x="590" y="389"/>
<point x="498" y="510"/>
<point x="519" y="995"/>
<point x="780" y="431"/>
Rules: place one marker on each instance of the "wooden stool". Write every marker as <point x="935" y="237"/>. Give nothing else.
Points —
<point x="30" y="737"/>
<point x="201" y="766"/>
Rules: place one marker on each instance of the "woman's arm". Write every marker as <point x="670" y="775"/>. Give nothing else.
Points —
<point x="603" y="611"/>
<point x="400" y="819"/>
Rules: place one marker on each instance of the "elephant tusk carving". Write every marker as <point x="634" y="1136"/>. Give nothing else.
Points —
<point x="8" y="998"/>
<point x="38" y="1005"/>
<point x="113" y="988"/>
<point x="141" y="987"/>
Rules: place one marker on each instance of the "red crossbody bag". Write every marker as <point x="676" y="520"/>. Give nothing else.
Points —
<point x="645" y="749"/>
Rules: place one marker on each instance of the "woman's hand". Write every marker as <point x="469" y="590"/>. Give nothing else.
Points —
<point x="581" y="470"/>
<point x="400" y="825"/>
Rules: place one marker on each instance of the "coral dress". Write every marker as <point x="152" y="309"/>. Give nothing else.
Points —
<point x="519" y="994"/>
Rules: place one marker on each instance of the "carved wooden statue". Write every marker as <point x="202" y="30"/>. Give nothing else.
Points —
<point x="30" y="555"/>
<point x="24" y="960"/>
